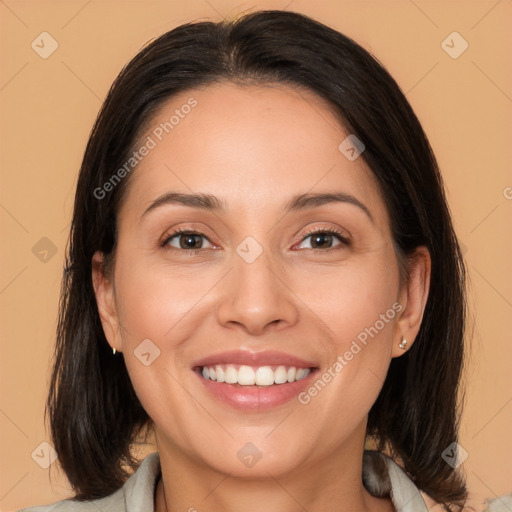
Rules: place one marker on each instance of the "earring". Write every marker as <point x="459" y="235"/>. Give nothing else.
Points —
<point x="114" y="351"/>
<point x="403" y="343"/>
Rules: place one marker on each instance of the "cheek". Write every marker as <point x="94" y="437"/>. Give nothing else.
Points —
<point x="359" y="309"/>
<point x="153" y="312"/>
<point x="159" y="310"/>
<point x="355" y="301"/>
<point x="154" y="301"/>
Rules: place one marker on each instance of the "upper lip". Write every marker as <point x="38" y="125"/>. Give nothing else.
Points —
<point x="244" y="357"/>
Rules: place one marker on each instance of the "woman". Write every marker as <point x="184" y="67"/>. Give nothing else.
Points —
<point x="262" y="270"/>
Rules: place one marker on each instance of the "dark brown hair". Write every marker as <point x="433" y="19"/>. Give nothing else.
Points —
<point x="94" y="412"/>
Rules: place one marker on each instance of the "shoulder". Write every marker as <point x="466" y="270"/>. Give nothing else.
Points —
<point x="136" y="494"/>
<point x="499" y="504"/>
<point x="110" y="503"/>
<point x="382" y="476"/>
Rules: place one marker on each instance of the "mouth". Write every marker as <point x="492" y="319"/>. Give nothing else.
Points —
<point x="262" y="376"/>
<point x="254" y="381"/>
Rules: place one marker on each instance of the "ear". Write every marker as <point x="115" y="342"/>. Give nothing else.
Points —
<point x="413" y="298"/>
<point x="105" y="300"/>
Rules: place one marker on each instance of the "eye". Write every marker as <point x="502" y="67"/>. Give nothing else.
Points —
<point x="186" y="240"/>
<point x="324" y="239"/>
<point x="192" y="241"/>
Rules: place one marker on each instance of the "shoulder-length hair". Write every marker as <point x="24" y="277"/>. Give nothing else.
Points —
<point x="94" y="412"/>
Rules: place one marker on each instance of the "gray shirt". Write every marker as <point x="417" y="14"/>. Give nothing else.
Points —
<point x="381" y="476"/>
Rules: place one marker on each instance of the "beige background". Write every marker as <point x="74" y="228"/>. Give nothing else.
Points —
<point x="48" y="107"/>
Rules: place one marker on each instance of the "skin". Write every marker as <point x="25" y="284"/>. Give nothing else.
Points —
<point x="254" y="147"/>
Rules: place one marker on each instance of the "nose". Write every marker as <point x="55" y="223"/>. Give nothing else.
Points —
<point x="257" y="297"/>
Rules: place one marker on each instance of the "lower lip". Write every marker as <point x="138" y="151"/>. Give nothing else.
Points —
<point x="253" y="397"/>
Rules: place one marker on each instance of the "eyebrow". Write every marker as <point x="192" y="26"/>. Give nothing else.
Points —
<point x="297" y="203"/>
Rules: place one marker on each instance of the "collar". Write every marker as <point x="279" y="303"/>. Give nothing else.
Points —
<point x="382" y="477"/>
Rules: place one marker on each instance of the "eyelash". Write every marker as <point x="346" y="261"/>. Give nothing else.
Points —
<point x="327" y="231"/>
<point x="344" y="241"/>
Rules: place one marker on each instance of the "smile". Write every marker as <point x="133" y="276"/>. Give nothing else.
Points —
<point x="254" y="375"/>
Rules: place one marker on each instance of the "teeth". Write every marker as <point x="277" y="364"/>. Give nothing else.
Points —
<point x="301" y="373"/>
<point x="246" y="376"/>
<point x="250" y="376"/>
<point x="265" y="376"/>
<point x="280" y="375"/>
<point x="231" y="375"/>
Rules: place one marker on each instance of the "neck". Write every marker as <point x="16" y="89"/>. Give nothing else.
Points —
<point x="333" y="484"/>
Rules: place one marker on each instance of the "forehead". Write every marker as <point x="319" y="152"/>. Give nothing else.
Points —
<point x="254" y="145"/>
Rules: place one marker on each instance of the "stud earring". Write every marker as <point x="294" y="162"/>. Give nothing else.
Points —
<point x="403" y="343"/>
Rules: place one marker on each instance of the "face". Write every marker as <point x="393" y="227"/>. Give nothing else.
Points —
<point x="285" y="283"/>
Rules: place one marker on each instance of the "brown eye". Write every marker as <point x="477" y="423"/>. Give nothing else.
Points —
<point x="185" y="240"/>
<point x="325" y="239"/>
